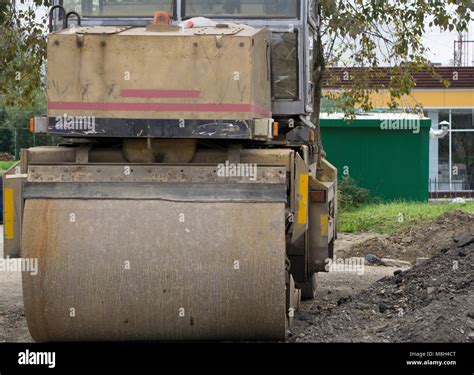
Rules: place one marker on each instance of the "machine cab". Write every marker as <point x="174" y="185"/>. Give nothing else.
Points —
<point x="291" y="23"/>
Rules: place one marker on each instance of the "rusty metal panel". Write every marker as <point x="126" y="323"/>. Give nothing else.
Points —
<point x="117" y="74"/>
<point x="261" y="157"/>
<point x="235" y="29"/>
<point x="249" y="193"/>
<point x="102" y="30"/>
<point x="322" y="226"/>
<point x="133" y="173"/>
<point x="319" y="236"/>
<point x="154" y="270"/>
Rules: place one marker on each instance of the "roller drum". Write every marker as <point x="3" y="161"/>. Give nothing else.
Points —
<point x="138" y="270"/>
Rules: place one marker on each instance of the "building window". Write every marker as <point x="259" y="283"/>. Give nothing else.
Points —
<point x="443" y="155"/>
<point x="443" y="162"/>
<point x="461" y="119"/>
<point x="455" y="153"/>
<point x="463" y="160"/>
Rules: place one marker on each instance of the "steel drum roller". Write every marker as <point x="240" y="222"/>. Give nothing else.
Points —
<point x="154" y="270"/>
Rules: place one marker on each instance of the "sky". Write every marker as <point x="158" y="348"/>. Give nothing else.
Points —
<point x="441" y="44"/>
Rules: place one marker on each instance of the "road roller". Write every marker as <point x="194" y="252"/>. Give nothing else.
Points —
<point x="187" y="198"/>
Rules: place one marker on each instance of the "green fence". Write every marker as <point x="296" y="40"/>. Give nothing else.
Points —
<point x="387" y="154"/>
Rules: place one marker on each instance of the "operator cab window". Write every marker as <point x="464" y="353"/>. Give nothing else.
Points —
<point x="241" y="8"/>
<point x="285" y="66"/>
<point x="118" y="8"/>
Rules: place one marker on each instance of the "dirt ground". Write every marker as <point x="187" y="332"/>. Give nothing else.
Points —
<point x="424" y="240"/>
<point x="432" y="302"/>
<point x="13" y="326"/>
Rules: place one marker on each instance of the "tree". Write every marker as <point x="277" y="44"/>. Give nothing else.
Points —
<point x="23" y="51"/>
<point x="3" y="11"/>
<point x="371" y="33"/>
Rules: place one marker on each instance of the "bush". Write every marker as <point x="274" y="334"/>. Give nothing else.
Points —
<point x="351" y="195"/>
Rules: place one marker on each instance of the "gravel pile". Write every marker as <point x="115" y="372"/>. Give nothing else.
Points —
<point x="432" y="302"/>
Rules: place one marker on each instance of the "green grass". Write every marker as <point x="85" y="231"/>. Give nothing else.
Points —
<point x="394" y="218"/>
<point x="5" y="165"/>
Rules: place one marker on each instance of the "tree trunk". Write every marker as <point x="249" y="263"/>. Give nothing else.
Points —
<point x="318" y="72"/>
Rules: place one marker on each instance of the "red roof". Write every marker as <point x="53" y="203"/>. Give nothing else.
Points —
<point x="380" y="77"/>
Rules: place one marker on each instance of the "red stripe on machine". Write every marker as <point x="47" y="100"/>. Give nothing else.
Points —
<point x="159" y="107"/>
<point x="160" y="94"/>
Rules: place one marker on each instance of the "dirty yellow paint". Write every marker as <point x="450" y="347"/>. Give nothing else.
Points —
<point x="324" y="225"/>
<point x="436" y="98"/>
<point x="443" y="98"/>
<point x="238" y="60"/>
<point x="9" y="207"/>
<point x="303" y="199"/>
